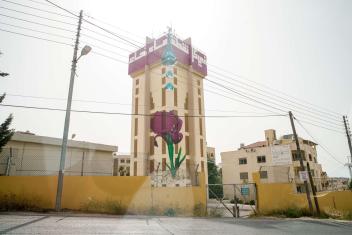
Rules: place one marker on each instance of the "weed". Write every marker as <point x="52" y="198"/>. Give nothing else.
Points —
<point x="170" y="212"/>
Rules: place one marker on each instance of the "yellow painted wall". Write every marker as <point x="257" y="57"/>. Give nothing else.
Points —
<point x="278" y="196"/>
<point x="134" y="193"/>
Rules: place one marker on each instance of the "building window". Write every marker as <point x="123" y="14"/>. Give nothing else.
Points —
<point x="137" y="82"/>
<point x="128" y="161"/>
<point x="163" y="164"/>
<point x="151" y="166"/>
<point x="163" y="99"/>
<point x="200" y="106"/>
<point x="175" y="96"/>
<point x="199" y="91"/>
<point x="175" y="70"/>
<point x="244" y="175"/>
<point x="176" y="148"/>
<point x="242" y="161"/>
<point x="135" y="168"/>
<point x="122" y="160"/>
<point x="135" y="126"/>
<point x="137" y="91"/>
<point x="263" y="174"/>
<point x="310" y="157"/>
<point x="175" y="80"/>
<point x="202" y="166"/>
<point x="200" y="126"/>
<point x="188" y="167"/>
<point x="201" y="148"/>
<point x="151" y="145"/>
<point x="136" y="106"/>
<point x="198" y="82"/>
<point x="186" y="122"/>
<point x="163" y="70"/>
<point x="261" y="159"/>
<point x="163" y="80"/>
<point x="187" y="144"/>
<point x="295" y="156"/>
<point x="135" y="148"/>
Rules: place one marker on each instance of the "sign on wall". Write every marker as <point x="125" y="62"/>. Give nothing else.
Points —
<point x="303" y="175"/>
<point x="281" y="155"/>
<point x="245" y="190"/>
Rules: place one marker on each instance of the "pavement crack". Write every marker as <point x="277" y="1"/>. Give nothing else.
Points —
<point x="162" y="226"/>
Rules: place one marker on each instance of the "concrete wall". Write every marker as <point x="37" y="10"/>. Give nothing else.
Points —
<point x="279" y="196"/>
<point x="134" y="193"/>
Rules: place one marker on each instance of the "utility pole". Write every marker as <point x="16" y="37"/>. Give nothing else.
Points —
<point x="67" y="119"/>
<point x="301" y="161"/>
<point x="348" y="134"/>
<point x="313" y="189"/>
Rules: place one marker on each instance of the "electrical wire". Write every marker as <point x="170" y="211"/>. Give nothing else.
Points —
<point x="315" y="140"/>
<point x="95" y="25"/>
<point x="273" y="96"/>
<point x="41" y="17"/>
<point x="137" y="114"/>
<point x="44" y="39"/>
<point x="34" y="30"/>
<point x="38" y="9"/>
<point x="278" y="91"/>
<point x="30" y="21"/>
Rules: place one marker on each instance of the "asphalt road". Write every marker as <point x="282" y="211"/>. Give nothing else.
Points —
<point x="81" y="224"/>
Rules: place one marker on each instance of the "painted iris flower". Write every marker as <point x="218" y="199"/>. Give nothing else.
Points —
<point x="167" y="125"/>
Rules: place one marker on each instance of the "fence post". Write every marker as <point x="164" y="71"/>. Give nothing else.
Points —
<point x="82" y="167"/>
<point x="8" y="165"/>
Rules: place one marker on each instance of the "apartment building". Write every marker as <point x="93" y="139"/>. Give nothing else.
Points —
<point x="238" y="165"/>
<point x="121" y="164"/>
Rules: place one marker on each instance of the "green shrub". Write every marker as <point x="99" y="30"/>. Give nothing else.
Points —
<point x="252" y="202"/>
<point x="13" y="202"/>
<point x="199" y="210"/>
<point x="108" y="206"/>
<point x="170" y="212"/>
<point x="213" y="212"/>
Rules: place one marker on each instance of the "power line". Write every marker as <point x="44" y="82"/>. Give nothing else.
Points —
<point x="278" y="91"/>
<point x="313" y="124"/>
<point x="38" y="9"/>
<point x="105" y="42"/>
<point x="322" y="146"/>
<point x="137" y="114"/>
<point x="44" y="39"/>
<point x="108" y="31"/>
<point x="38" y="31"/>
<point x="29" y="21"/>
<point x="273" y="96"/>
<point x="41" y="17"/>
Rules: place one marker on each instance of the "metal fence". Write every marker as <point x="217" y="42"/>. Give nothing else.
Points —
<point x="37" y="161"/>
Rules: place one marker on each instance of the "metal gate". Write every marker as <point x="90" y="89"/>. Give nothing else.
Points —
<point x="231" y="200"/>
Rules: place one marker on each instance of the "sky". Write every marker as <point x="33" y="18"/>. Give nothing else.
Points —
<point x="298" y="48"/>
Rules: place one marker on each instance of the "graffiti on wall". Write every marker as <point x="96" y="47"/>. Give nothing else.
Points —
<point x="167" y="125"/>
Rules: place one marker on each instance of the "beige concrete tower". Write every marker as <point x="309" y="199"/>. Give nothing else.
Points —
<point x="154" y="90"/>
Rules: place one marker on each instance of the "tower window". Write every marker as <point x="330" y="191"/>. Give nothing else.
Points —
<point x="136" y="106"/>
<point x="151" y="101"/>
<point x="163" y="148"/>
<point x="137" y="82"/>
<point x="135" y="168"/>
<point x="135" y="126"/>
<point x="186" y="102"/>
<point x="200" y="126"/>
<point x="186" y="122"/>
<point x="151" y="166"/>
<point x="137" y="91"/>
<point x="200" y="105"/>
<point x="187" y="144"/>
<point x="163" y="70"/>
<point x="175" y="96"/>
<point x="135" y="148"/>
<point x="151" y="145"/>
<point x="163" y="98"/>
<point x="201" y="148"/>
<point x="175" y="70"/>
<point x="202" y="166"/>
<point x="163" y="164"/>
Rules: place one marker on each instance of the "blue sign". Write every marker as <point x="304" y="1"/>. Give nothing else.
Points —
<point x="244" y="190"/>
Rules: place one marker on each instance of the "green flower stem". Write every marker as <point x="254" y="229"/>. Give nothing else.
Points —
<point x="170" y="148"/>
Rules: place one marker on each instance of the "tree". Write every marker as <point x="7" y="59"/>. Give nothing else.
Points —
<point x="2" y="74"/>
<point x="214" y="177"/>
<point x="5" y="131"/>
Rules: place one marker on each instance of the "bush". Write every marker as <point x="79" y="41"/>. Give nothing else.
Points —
<point x="291" y="212"/>
<point x="13" y="202"/>
<point x="213" y="212"/>
<point x="170" y="212"/>
<point x="199" y="210"/>
<point x="108" y="206"/>
<point x="252" y="202"/>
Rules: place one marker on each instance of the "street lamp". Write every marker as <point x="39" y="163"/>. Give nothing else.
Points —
<point x="85" y="50"/>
